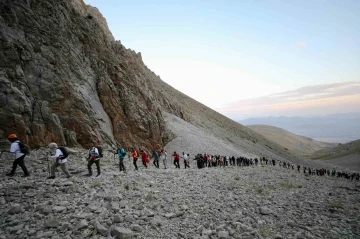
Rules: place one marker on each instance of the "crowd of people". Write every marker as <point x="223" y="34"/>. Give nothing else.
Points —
<point x="207" y="160"/>
<point x="59" y="156"/>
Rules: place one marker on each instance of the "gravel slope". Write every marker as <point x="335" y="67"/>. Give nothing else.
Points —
<point x="230" y="202"/>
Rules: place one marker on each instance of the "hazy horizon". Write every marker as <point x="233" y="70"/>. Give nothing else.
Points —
<point x="317" y="100"/>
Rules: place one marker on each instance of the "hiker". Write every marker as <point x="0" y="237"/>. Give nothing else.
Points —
<point x="164" y="157"/>
<point x="186" y="160"/>
<point x="209" y="161"/>
<point x="144" y="158"/>
<point x="94" y="157"/>
<point x="205" y="160"/>
<point x="176" y="160"/>
<point x="19" y="156"/>
<point x="121" y="152"/>
<point x="155" y="155"/>
<point x="59" y="155"/>
<point x="135" y="156"/>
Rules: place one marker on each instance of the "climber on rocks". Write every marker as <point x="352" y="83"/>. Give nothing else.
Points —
<point x="155" y="156"/>
<point x="135" y="156"/>
<point x="186" y="160"/>
<point x="59" y="155"/>
<point x="121" y="152"/>
<point x="164" y="157"/>
<point x="15" y="149"/>
<point x="176" y="160"/>
<point x="94" y="157"/>
<point x="144" y="158"/>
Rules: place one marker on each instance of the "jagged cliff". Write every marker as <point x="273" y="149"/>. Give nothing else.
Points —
<point x="64" y="78"/>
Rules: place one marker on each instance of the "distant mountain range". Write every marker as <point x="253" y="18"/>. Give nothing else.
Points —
<point x="335" y="128"/>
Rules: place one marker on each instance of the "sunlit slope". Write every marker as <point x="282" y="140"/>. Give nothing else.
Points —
<point x="300" y="145"/>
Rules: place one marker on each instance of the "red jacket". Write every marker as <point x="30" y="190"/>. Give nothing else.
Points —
<point x="144" y="156"/>
<point x="176" y="156"/>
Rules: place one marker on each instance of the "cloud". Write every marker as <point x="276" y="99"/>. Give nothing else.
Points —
<point x="301" y="44"/>
<point x="325" y="99"/>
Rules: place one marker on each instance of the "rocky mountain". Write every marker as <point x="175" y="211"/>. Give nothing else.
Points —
<point x="64" y="78"/>
<point x="299" y="145"/>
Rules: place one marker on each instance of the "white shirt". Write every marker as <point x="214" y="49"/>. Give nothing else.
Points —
<point x="15" y="148"/>
<point x="164" y="155"/>
<point x="95" y="151"/>
<point x="185" y="157"/>
<point x="56" y="154"/>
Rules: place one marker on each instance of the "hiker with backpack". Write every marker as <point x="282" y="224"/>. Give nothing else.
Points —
<point x="186" y="160"/>
<point x="59" y="154"/>
<point x="155" y="155"/>
<point x="19" y="150"/>
<point x="135" y="156"/>
<point x="164" y="157"/>
<point x="176" y="160"/>
<point x="121" y="152"/>
<point x="144" y="158"/>
<point x="94" y="157"/>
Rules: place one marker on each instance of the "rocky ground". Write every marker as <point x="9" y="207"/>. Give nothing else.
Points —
<point x="230" y="202"/>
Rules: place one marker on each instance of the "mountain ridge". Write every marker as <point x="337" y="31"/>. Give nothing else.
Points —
<point x="335" y="128"/>
<point x="298" y="144"/>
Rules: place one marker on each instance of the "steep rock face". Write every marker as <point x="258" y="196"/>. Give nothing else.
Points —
<point x="63" y="78"/>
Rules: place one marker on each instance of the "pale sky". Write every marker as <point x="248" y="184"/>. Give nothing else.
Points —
<point x="219" y="52"/>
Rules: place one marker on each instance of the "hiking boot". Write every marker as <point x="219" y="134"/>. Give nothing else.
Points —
<point x="98" y="175"/>
<point x="88" y="175"/>
<point x="68" y="176"/>
<point x="25" y="175"/>
<point x="9" y="174"/>
<point x="51" y="177"/>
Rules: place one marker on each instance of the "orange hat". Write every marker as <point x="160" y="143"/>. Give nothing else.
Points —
<point x="12" y="136"/>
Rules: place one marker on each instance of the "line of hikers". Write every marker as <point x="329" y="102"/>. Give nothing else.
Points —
<point x="321" y="172"/>
<point x="207" y="160"/>
<point x="59" y="156"/>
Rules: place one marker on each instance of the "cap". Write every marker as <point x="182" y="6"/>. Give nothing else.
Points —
<point x="12" y="136"/>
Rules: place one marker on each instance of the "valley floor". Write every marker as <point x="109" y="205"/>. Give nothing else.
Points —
<point x="229" y="202"/>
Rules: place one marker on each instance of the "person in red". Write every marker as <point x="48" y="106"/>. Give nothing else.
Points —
<point x="135" y="156"/>
<point x="176" y="160"/>
<point x="205" y="160"/>
<point x="144" y="158"/>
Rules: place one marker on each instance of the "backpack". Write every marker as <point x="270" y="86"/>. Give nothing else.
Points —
<point x="122" y="152"/>
<point x="100" y="151"/>
<point x="24" y="149"/>
<point x="64" y="152"/>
